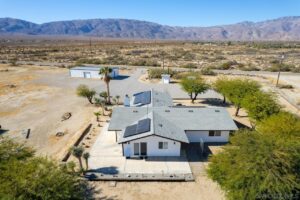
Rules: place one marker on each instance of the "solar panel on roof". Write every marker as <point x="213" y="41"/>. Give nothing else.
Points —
<point x="130" y="130"/>
<point x="137" y="99"/>
<point x="146" y="98"/>
<point x="142" y="98"/>
<point x="143" y="126"/>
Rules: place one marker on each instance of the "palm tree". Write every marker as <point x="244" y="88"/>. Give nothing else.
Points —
<point x="86" y="157"/>
<point x="77" y="152"/>
<point x="105" y="71"/>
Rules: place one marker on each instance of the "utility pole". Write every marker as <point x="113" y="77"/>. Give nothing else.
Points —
<point x="91" y="46"/>
<point x="281" y="61"/>
<point x="163" y="60"/>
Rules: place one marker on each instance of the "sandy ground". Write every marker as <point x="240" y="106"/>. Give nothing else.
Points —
<point x="203" y="189"/>
<point x="29" y="104"/>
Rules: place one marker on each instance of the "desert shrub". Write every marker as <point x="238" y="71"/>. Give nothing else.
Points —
<point x="249" y="68"/>
<point x="286" y="86"/>
<point x="227" y="65"/>
<point x="145" y="62"/>
<point x="189" y="66"/>
<point x="280" y="67"/>
<point x="296" y="70"/>
<point x="156" y="73"/>
<point x="207" y="71"/>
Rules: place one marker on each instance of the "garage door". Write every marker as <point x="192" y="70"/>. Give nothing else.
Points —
<point x="87" y="75"/>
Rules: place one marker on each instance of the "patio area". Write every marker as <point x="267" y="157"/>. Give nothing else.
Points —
<point x="106" y="161"/>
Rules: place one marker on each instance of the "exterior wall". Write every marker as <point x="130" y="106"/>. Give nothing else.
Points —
<point x="94" y="74"/>
<point x="196" y="136"/>
<point x="152" y="147"/>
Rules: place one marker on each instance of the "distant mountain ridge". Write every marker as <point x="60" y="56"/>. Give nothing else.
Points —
<point x="285" y="28"/>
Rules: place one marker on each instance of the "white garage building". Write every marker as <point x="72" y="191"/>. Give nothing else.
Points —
<point x="91" y="72"/>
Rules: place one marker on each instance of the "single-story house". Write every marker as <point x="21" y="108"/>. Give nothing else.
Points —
<point x="91" y="72"/>
<point x="161" y="131"/>
<point x="150" y="98"/>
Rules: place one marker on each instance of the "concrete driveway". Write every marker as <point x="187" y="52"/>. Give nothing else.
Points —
<point x="106" y="157"/>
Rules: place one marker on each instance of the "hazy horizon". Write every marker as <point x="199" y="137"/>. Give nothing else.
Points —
<point x="173" y="13"/>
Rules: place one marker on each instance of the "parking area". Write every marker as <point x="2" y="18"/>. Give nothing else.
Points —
<point x="106" y="158"/>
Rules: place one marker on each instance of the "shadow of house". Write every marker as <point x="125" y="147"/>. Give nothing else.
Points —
<point x="104" y="170"/>
<point x="241" y="125"/>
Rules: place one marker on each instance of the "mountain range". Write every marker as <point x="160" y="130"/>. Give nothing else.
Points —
<point x="283" y="29"/>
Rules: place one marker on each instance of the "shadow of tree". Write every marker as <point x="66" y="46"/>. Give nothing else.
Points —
<point x="215" y="102"/>
<point x="121" y="77"/>
<point x="2" y="131"/>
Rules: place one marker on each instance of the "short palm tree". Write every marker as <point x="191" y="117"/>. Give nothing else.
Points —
<point x="86" y="157"/>
<point x="97" y="114"/>
<point x="118" y="99"/>
<point x="105" y="71"/>
<point x="77" y="152"/>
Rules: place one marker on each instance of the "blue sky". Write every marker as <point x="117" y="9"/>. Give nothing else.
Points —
<point x="168" y="12"/>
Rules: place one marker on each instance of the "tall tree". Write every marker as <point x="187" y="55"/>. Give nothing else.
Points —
<point x="260" y="105"/>
<point x="221" y="86"/>
<point x="24" y="176"/>
<point x="238" y="89"/>
<point x="105" y="72"/>
<point x="259" y="166"/>
<point x="77" y="152"/>
<point x="84" y="91"/>
<point x="194" y="85"/>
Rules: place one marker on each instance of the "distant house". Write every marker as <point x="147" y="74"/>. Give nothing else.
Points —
<point x="165" y="78"/>
<point x="151" y="98"/>
<point x="91" y="72"/>
<point x="161" y="130"/>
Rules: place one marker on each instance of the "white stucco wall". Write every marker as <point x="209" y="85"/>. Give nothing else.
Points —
<point x="94" y="74"/>
<point x="152" y="147"/>
<point x="196" y="136"/>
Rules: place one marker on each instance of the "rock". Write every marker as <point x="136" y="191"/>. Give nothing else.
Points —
<point x="66" y="116"/>
<point x="60" y="134"/>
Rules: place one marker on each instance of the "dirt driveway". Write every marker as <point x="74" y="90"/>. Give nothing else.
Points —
<point x="30" y="101"/>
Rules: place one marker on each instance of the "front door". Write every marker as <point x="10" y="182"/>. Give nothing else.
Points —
<point x="143" y="148"/>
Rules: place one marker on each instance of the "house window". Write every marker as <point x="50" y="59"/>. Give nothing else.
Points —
<point x="214" y="133"/>
<point x="163" y="145"/>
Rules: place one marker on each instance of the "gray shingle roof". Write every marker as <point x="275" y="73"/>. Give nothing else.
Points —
<point x="157" y="99"/>
<point x="172" y="122"/>
<point x="159" y="127"/>
<point x="161" y="99"/>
